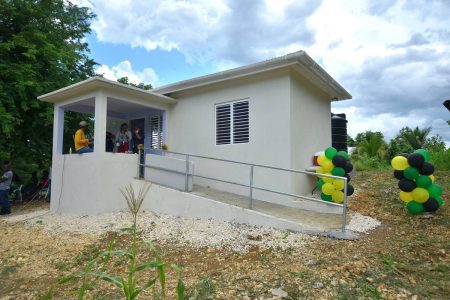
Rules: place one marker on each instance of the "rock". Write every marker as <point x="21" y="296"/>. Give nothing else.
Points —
<point x="342" y="282"/>
<point x="279" y="292"/>
<point x="369" y="279"/>
<point x="318" y="285"/>
<point x="311" y="262"/>
<point x="414" y="297"/>
<point x="246" y="298"/>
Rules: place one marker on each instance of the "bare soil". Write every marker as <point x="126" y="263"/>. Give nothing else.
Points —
<point x="407" y="257"/>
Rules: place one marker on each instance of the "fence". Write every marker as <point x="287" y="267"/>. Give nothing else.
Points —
<point x="251" y="187"/>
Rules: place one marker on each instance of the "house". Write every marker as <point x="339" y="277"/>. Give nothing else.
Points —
<point x="273" y="113"/>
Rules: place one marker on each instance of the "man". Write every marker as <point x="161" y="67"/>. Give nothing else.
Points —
<point x="5" y="183"/>
<point x="81" y="142"/>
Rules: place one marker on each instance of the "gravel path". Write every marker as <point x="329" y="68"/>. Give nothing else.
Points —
<point x="192" y="232"/>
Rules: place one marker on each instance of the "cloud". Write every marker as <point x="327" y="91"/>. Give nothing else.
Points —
<point x="124" y="69"/>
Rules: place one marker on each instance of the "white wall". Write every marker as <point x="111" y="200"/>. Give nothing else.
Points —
<point x="192" y="130"/>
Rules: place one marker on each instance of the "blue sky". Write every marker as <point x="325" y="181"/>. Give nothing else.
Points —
<point x="393" y="56"/>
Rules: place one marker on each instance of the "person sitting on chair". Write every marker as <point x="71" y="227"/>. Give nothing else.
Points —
<point x="123" y="138"/>
<point x="81" y="142"/>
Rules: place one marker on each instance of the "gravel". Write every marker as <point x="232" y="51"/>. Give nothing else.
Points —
<point x="183" y="231"/>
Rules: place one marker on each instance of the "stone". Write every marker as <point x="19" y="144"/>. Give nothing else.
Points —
<point x="343" y="235"/>
<point x="279" y="292"/>
<point x="318" y="285"/>
<point x="311" y="262"/>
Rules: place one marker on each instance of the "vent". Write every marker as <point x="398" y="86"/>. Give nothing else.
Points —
<point x="156" y="132"/>
<point x="232" y="123"/>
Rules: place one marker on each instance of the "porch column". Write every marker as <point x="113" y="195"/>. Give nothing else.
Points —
<point x="58" y="129"/>
<point x="101" y="107"/>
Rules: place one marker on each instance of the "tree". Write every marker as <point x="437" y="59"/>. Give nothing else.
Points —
<point x="42" y="49"/>
<point x="416" y="138"/>
<point x="141" y="85"/>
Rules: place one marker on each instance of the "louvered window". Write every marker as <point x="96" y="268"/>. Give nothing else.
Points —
<point x="156" y="132"/>
<point x="232" y="123"/>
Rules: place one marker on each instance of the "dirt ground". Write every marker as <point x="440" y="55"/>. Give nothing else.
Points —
<point x="407" y="257"/>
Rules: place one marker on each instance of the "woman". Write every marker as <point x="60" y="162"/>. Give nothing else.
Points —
<point x="123" y="138"/>
<point x="138" y="139"/>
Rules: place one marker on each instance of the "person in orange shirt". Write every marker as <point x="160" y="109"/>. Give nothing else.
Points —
<point x="81" y="142"/>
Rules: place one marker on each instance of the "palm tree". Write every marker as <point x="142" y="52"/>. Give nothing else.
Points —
<point x="374" y="146"/>
<point x="416" y="137"/>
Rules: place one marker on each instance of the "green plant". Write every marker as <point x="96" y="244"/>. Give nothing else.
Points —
<point x="131" y="285"/>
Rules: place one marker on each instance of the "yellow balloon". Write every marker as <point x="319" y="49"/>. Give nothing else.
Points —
<point x="420" y="195"/>
<point x="399" y="163"/>
<point x="405" y="196"/>
<point x="320" y="170"/>
<point x="338" y="184"/>
<point x="327" y="188"/>
<point x="327" y="179"/>
<point x="321" y="159"/>
<point x="432" y="178"/>
<point x="328" y="165"/>
<point x="337" y="197"/>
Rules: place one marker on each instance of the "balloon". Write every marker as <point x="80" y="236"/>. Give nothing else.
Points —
<point x="424" y="153"/>
<point x="338" y="184"/>
<point x="420" y="195"/>
<point x="431" y="205"/>
<point x="416" y="160"/>
<point x="325" y="197"/>
<point x="328" y="166"/>
<point x="338" y="197"/>
<point x="350" y="190"/>
<point x="348" y="167"/>
<point x="414" y="207"/>
<point x="339" y="161"/>
<point x="330" y="152"/>
<point x="406" y="185"/>
<point x="338" y="171"/>
<point x="405" y="197"/>
<point x="424" y="181"/>
<point x="435" y="190"/>
<point x="398" y="174"/>
<point x="432" y="178"/>
<point x="399" y="163"/>
<point x="426" y="169"/>
<point x="327" y="179"/>
<point x="321" y="159"/>
<point x="320" y="170"/>
<point x="411" y="173"/>
<point x="328" y="189"/>
<point x="319" y="184"/>
<point x="439" y="200"/>
<point x="343" y="153"/>
<point x="348" y="177"/>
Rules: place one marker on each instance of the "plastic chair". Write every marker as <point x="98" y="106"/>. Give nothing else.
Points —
<point x="18" y="193"/>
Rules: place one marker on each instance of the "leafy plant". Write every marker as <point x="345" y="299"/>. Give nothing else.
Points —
<point x="131" y="285"/>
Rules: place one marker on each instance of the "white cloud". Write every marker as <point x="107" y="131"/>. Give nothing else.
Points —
<point x="124" y="69"/>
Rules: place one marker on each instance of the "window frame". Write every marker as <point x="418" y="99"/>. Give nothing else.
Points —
<point x="231" y="103"/>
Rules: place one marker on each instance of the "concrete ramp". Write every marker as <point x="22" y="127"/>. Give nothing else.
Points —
<point x="204" y="203"/>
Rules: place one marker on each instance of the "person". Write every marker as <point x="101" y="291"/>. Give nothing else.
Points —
<point x="81" y="142"/>
<point x="5" y="183"/>
<point x="123" y="138"/>
<point x="138" y="139"/>
<point x="109" y="146"/>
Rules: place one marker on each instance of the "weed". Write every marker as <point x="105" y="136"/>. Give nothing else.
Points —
<point x="8" y="270"/>
<point x="204" y="289"/>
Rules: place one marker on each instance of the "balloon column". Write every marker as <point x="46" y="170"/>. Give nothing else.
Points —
<point x="416" y="182"/>
<point x="335" y="163"/>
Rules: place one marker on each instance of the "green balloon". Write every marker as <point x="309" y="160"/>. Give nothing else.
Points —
<point x="423" y="181"/>
<point x="343" y="153"/>
<point x="330" y="152"/>
<point x="411" y="173"/>
<point x="319" y="184"/>
<point x="414" y="207"/>
<point x="435" y="191"/>
<point x="439" y="201"/>
<point x="325" y="197"/>
<point x="424" y="153"/>
<point x="337" y="171"/>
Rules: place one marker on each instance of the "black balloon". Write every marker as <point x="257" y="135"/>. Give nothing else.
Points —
<point x="348" y="167"/>
<point x="339" y="161"/>
<point x="348" y="177"/>
<point x="404" y="155"/>
<point x="406" y="185"/>
<point x="398" y="174"/>
<point x="426" y="169"/>
<point x="350" y="190"/>
<point x="416" y="160"/>
<point x="431" y="205"/>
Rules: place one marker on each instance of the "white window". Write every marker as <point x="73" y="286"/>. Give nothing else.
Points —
<point x="156" y="132"/>
<point x="232" y="123"/>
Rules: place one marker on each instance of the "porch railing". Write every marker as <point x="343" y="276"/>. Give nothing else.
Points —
<point x="251" y="187"/>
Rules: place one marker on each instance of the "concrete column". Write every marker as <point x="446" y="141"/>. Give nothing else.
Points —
<point x="101" y="107"/>
<point x="58" y="129"/>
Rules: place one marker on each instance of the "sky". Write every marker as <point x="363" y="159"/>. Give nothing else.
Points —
<point x="393" y="57"/>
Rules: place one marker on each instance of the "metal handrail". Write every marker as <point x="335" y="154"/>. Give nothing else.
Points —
<point x="251" y="186"/>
